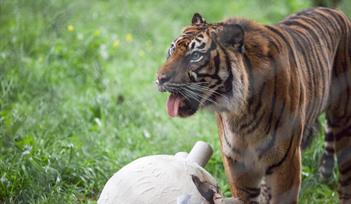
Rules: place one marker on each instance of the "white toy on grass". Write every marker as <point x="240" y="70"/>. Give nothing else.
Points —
<point x="163" y="179"/>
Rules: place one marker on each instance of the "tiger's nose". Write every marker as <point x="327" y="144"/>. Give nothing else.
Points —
<point x="161" y="80"/>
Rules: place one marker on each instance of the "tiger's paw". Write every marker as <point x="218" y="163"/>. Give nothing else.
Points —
<point x="218" y="199"/>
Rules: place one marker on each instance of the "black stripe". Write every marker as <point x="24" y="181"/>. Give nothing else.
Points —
<point x="320" y="55"/>
<point x="263" y="150"/>
<point x="329" y="137"/>
<point x="213" y="76"/>
<point x="251" y="79"/>
<point x="345" y="182"/>
<point x="273" y="106"/>
<point x="272" y="44"/>
<point x="192" y="45"/>
<point x="198" y="40"/>
<point x="251" y="192"/>
<point x="335" y="67"/>
<point x="324" y="27"/>
<point x="218" y="82"/>
<point x="345" y="85"/>
<point x="328" y="19"/>
<point x="329" y="150"/>
<point x="201" y="66"/>
<point x="315" y="22"/>
<point x="272" y="167"/>
<point x="202" y="46"/>
<point x="236" y="151"/>
<point x="344" y="170"/>
<point x="213" y="45"/>
<point x="311" y="79"/>
<point x="275" y="88"/>
<point x="228" y="83"/>
<point x="217" y="62"/>
<point x="340" y="20"/>
<point x="257" y="120"/>
<point x="314" y="58"/>
<point x="343" y="133"/>
<point x="343" y="196"/>
<point x="305" y="12"/>
<point x="312" y="31"/>
<point x="254" y="120"/>
<point x="301" y="98"/>
<point x="252" y="124"/>
<point x="275" y="71"/>
<point x="336" y="123"/>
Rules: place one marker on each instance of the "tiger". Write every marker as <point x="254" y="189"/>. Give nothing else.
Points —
<point x="267" y="86"/>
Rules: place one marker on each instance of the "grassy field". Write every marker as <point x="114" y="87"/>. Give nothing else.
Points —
<point x="77" y="98"/>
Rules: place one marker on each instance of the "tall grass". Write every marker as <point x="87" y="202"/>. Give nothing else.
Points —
<point x="77" y="100"/>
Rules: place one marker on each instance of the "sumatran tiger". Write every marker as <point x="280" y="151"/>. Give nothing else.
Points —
<point x="267" y="85"/>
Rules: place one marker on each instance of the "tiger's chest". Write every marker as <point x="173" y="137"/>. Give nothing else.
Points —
<point x="239" y="147"/>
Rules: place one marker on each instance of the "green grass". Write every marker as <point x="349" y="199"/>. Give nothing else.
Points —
<point x="77" y="99"/>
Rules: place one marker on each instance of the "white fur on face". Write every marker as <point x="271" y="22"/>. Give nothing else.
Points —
<point x="237" y="100"/>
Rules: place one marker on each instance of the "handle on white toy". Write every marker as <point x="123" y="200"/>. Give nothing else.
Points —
<point x="200" y="153"/>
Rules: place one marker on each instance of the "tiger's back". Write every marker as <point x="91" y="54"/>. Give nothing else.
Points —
<point x="321" y="40"/>
<point x="319" y="44"/>
<point x="317" y="31"/>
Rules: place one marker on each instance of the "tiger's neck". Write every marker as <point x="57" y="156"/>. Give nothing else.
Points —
<point x="250" y="121"/>
<point x="257" y="76"/>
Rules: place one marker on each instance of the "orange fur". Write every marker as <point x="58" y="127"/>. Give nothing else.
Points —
<point x="268" y="84"/>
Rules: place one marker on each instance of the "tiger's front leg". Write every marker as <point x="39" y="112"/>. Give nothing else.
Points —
<point x="284" y="182"/>
<point x="218" y="199"/>
<point x="246" y="181"/>
<point x="285" y="179"/>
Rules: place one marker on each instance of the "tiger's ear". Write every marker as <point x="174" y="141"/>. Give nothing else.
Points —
<point x="197" y="19"/>
<point x="232" y="35"/>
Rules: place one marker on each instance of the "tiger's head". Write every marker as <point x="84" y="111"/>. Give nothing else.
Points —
<point x="204" y="68"/>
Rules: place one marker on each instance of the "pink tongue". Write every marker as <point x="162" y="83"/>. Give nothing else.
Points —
<point x="173" y="105"/>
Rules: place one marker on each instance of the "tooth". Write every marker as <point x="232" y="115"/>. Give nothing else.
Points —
<point x="194" y="75"/>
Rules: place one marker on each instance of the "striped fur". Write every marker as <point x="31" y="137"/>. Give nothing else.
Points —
<point x="267" y="85"/>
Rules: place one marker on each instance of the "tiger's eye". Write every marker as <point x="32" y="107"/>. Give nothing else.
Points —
<point x="196" y="57"/>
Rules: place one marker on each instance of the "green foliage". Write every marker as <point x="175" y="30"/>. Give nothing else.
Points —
<point x="77" y="100"/>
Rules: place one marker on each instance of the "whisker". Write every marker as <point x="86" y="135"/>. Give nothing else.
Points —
<point x="202" y="97"/>
<point x="185" y="84"/>
<point x="192" y="95"/>
<point x="209" y="90"/>
<point x="193" y="90"/>
<point x="185" y="93"/>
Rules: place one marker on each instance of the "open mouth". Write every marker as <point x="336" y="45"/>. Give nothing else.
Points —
<point x="178" y="105"/>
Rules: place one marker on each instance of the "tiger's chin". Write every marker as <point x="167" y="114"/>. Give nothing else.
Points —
<point x="179" y="106"/>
